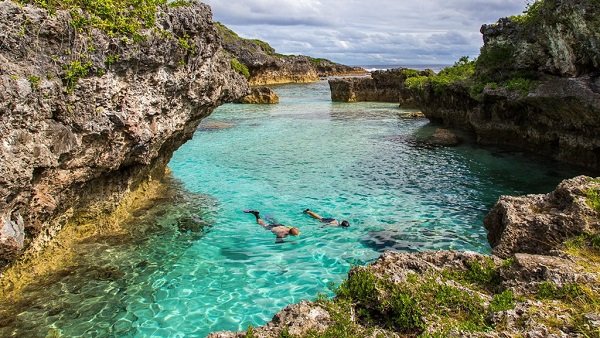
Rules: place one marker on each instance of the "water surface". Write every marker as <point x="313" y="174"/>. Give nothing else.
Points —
<point x="201" y="264"/>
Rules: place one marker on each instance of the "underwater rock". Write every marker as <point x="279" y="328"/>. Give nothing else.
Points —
<point x="214" y="125"/>
<point x="260" y="95"/>
<point x="444" y="137"/>
<point x="81" y="131"/>
<point x="539" y="224"/>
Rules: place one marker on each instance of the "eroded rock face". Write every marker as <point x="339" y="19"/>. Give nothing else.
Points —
<point x="260" y="95"/>
<point x="381" y="86"/>
<point x="538" y="224"/>
<point x="559" y="114"/>
<point x="75" y="152"/>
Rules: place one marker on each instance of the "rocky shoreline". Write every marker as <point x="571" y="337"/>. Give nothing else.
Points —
<point x="87" y="120"/>
<point x="541" y="281"/>
<point x="263" y="66"/>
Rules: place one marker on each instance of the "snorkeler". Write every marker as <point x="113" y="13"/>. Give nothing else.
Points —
<point x="327" y="221"/>
<point x="281" y="231"/>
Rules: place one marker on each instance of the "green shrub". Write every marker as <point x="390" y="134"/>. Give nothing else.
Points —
<point x="186" y="44"/>
<point x="520" y="84"/>
<point x="34" y="81"/>
<point x="410" y="73"/>
<point x="74" y="71"/>
<point x="503" y="301"/>
<point x="115" y="17"/>
<point x="416" y="83"/>
<point x="593" y="199"/>
<point x="240" y="68"/>
<point x="180" y="3"/>
<point x="568" y="292"/>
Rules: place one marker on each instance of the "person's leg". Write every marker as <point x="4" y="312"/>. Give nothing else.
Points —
<point x="313" y="214"/>
<point x="257" y="215"/>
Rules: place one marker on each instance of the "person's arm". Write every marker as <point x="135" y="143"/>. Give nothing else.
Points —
<point x="261" y="222"/>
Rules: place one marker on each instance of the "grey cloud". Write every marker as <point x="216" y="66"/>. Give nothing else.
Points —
<point x="367" y="32"/>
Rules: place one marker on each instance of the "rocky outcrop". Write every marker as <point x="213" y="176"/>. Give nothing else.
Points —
<point x="266" y="67"/>
<point x="86" y="116"/>
<point x="541" y="73"/>
<point x="381" y="86"/>
<point x="538" y="224"/>
<point x="260" y="95"/>
<point x="464" y="294"/>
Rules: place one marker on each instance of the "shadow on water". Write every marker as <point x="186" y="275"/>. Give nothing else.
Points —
<point x="110" y="283"/>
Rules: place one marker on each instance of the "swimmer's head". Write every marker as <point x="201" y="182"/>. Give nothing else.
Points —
<point x="345" y="224"/>
<point x="294" y="231"/>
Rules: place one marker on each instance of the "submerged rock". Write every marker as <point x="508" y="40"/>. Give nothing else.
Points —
<point x="444" y="137"/>
<point x="86" y="116"/>
<point x="260" y="95"/>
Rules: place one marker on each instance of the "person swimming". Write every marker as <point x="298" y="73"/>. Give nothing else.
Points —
<point x="327" y="221"/>
<point x="281" y="231"/>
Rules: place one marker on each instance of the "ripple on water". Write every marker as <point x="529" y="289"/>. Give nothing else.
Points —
<point x="195" y="264"/>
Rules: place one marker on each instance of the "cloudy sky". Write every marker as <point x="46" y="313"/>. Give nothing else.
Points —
<point x="367" y="32"/>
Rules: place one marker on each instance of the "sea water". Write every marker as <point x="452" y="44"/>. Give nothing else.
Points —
<point x="197" y="263"/>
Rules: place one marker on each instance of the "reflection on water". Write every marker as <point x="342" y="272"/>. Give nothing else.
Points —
<point x="194" y="264"/>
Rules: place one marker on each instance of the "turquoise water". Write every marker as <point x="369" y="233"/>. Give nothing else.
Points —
<point x="196" y="263"/>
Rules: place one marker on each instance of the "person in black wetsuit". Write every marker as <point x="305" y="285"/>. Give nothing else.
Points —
<point x="327" y="221"/>
<point x="281" y="231"/>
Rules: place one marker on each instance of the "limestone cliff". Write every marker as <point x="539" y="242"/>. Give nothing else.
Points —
<point x="266" y="67"/>
<point x="381" y="86"/>
<point x="546" y="286"/>
<point x="536" y="84"/>
<point x="87" y="113"/>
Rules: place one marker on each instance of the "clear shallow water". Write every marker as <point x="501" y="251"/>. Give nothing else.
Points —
<point x="361" y="162"/>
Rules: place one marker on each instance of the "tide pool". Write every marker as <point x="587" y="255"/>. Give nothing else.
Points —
<point x="361" y="162"/>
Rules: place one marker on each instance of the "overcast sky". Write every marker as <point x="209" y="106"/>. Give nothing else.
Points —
<point x="367" y="32"/>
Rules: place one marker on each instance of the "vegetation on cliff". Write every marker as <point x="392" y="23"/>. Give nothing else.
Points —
<point x="125" y="21"/>
<point x="505" y="63"/>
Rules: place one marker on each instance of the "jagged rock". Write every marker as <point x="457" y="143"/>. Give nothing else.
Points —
<point x="297" y="319"/>
<point x="444" y="137"/>
<point x="260" y="95"/>
<point x="381" y="86"/>
<point x="67" y="152"/>
<point x="538" y="224"/>
<point x="527" y="271"/>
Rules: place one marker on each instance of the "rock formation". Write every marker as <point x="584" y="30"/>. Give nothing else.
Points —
<point x="260" y="95"/>
<point x="381" y="86"/>
<point x="266" y="67"/>
<point x="463" y="294"/>
<point x="539" y="84"/>
<point x="86" y="116"/>
<point x="536" y="224"/>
